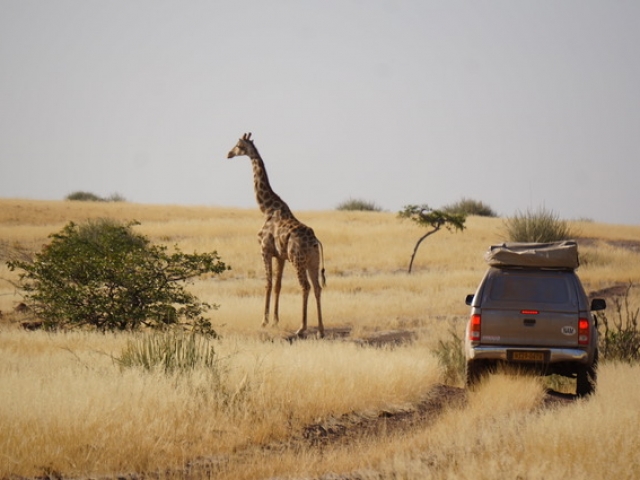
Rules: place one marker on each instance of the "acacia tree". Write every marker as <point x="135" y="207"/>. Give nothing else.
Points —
<point x="435" y="219"/>
<point x="104" y="275"/>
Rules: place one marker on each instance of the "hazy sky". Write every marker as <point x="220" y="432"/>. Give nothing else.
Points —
<point x="518" y="104"/>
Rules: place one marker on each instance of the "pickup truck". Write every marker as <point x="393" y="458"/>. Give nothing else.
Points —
<point x="531" y="311"/>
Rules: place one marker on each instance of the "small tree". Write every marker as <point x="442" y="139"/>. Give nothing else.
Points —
<point x="104" y="275"/>
<point x="436" y="219"/>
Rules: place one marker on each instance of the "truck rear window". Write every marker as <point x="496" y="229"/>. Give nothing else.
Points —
<point x="528" y="289"/>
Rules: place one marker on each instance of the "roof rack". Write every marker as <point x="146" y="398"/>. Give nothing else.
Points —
<point x="551" y="255"/>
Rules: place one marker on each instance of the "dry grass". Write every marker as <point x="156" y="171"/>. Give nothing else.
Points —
<point x="66" y="406"/>
<point x="503" y="434"/>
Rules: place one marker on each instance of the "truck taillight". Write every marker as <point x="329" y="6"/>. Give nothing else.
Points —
<point x="583" y="331"/>
<point x="474" y="328"/>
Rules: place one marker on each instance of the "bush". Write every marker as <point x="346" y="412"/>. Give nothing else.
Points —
<point x="84" y="197"/>
<point x="537" y="226"/>
<point x="470" y="207"/>
<point x="115" y="197"/>
<point x="91" y="197"/>
<point x="104" y="275"/>
<point x="620" y="335"/>
<point x="359" y="205"/>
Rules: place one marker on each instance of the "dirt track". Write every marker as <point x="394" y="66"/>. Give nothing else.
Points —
<point x="350" y="428"/>
<point x="424" y="413"/>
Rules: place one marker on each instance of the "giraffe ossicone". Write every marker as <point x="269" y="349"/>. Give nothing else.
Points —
<point x="283" y="237"/>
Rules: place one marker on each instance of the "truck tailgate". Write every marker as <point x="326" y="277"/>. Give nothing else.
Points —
<point x="529" y="328"/>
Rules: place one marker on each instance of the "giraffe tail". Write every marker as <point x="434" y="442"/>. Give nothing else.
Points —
<point x="322" y="276"/>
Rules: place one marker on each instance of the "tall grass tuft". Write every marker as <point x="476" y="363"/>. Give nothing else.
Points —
<point x="541" y="225"/>
<point x="450" y="355"/>
<point x="168" y="351"/>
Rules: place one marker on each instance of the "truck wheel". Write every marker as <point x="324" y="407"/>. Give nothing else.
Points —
<point x="586" y="378"/>
<point x="473" y="373"/>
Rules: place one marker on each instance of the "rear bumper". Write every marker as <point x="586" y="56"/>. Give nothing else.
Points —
<point x="555" y="355"/>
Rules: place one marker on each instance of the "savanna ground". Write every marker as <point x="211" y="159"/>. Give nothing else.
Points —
<point x="372" y="400"/>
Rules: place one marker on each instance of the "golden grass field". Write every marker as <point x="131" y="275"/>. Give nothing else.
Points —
<point x="67" y="408"/>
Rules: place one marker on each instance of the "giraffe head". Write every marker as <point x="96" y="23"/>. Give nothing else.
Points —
<point x="244" y="146"/>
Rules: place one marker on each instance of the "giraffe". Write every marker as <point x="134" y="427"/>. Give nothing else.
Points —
<point x="283" y="237"/>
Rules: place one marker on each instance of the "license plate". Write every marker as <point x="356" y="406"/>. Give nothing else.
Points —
<point x="526" y="356"/>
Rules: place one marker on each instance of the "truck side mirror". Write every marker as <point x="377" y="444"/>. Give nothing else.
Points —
<point x="469" y="299"/>
<point x="598" y="304"/>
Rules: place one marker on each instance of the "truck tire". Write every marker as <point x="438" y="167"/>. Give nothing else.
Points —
<point x="473" y="372"/>
<point x="586" y="378"/>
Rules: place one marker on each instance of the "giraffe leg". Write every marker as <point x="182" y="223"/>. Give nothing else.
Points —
<point x="278" y="287"/>
<point x="304" y="284"/>
<point x="317" y="291"/>
<point x="268" y="268"/>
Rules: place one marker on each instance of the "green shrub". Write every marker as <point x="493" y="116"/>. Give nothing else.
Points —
<point x="359" y="205"/>
<point x="169" y="351"/>
<point x="620" y="333"/>
<point x="470" y="207"/>
<point x="102" y="274"/>
<point x="91" y="197"/>
<point x="84" y="197"/>
<point x="537" y="226"/>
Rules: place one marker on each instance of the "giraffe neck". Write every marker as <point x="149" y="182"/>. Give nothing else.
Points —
<point x="267" y="199"/>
